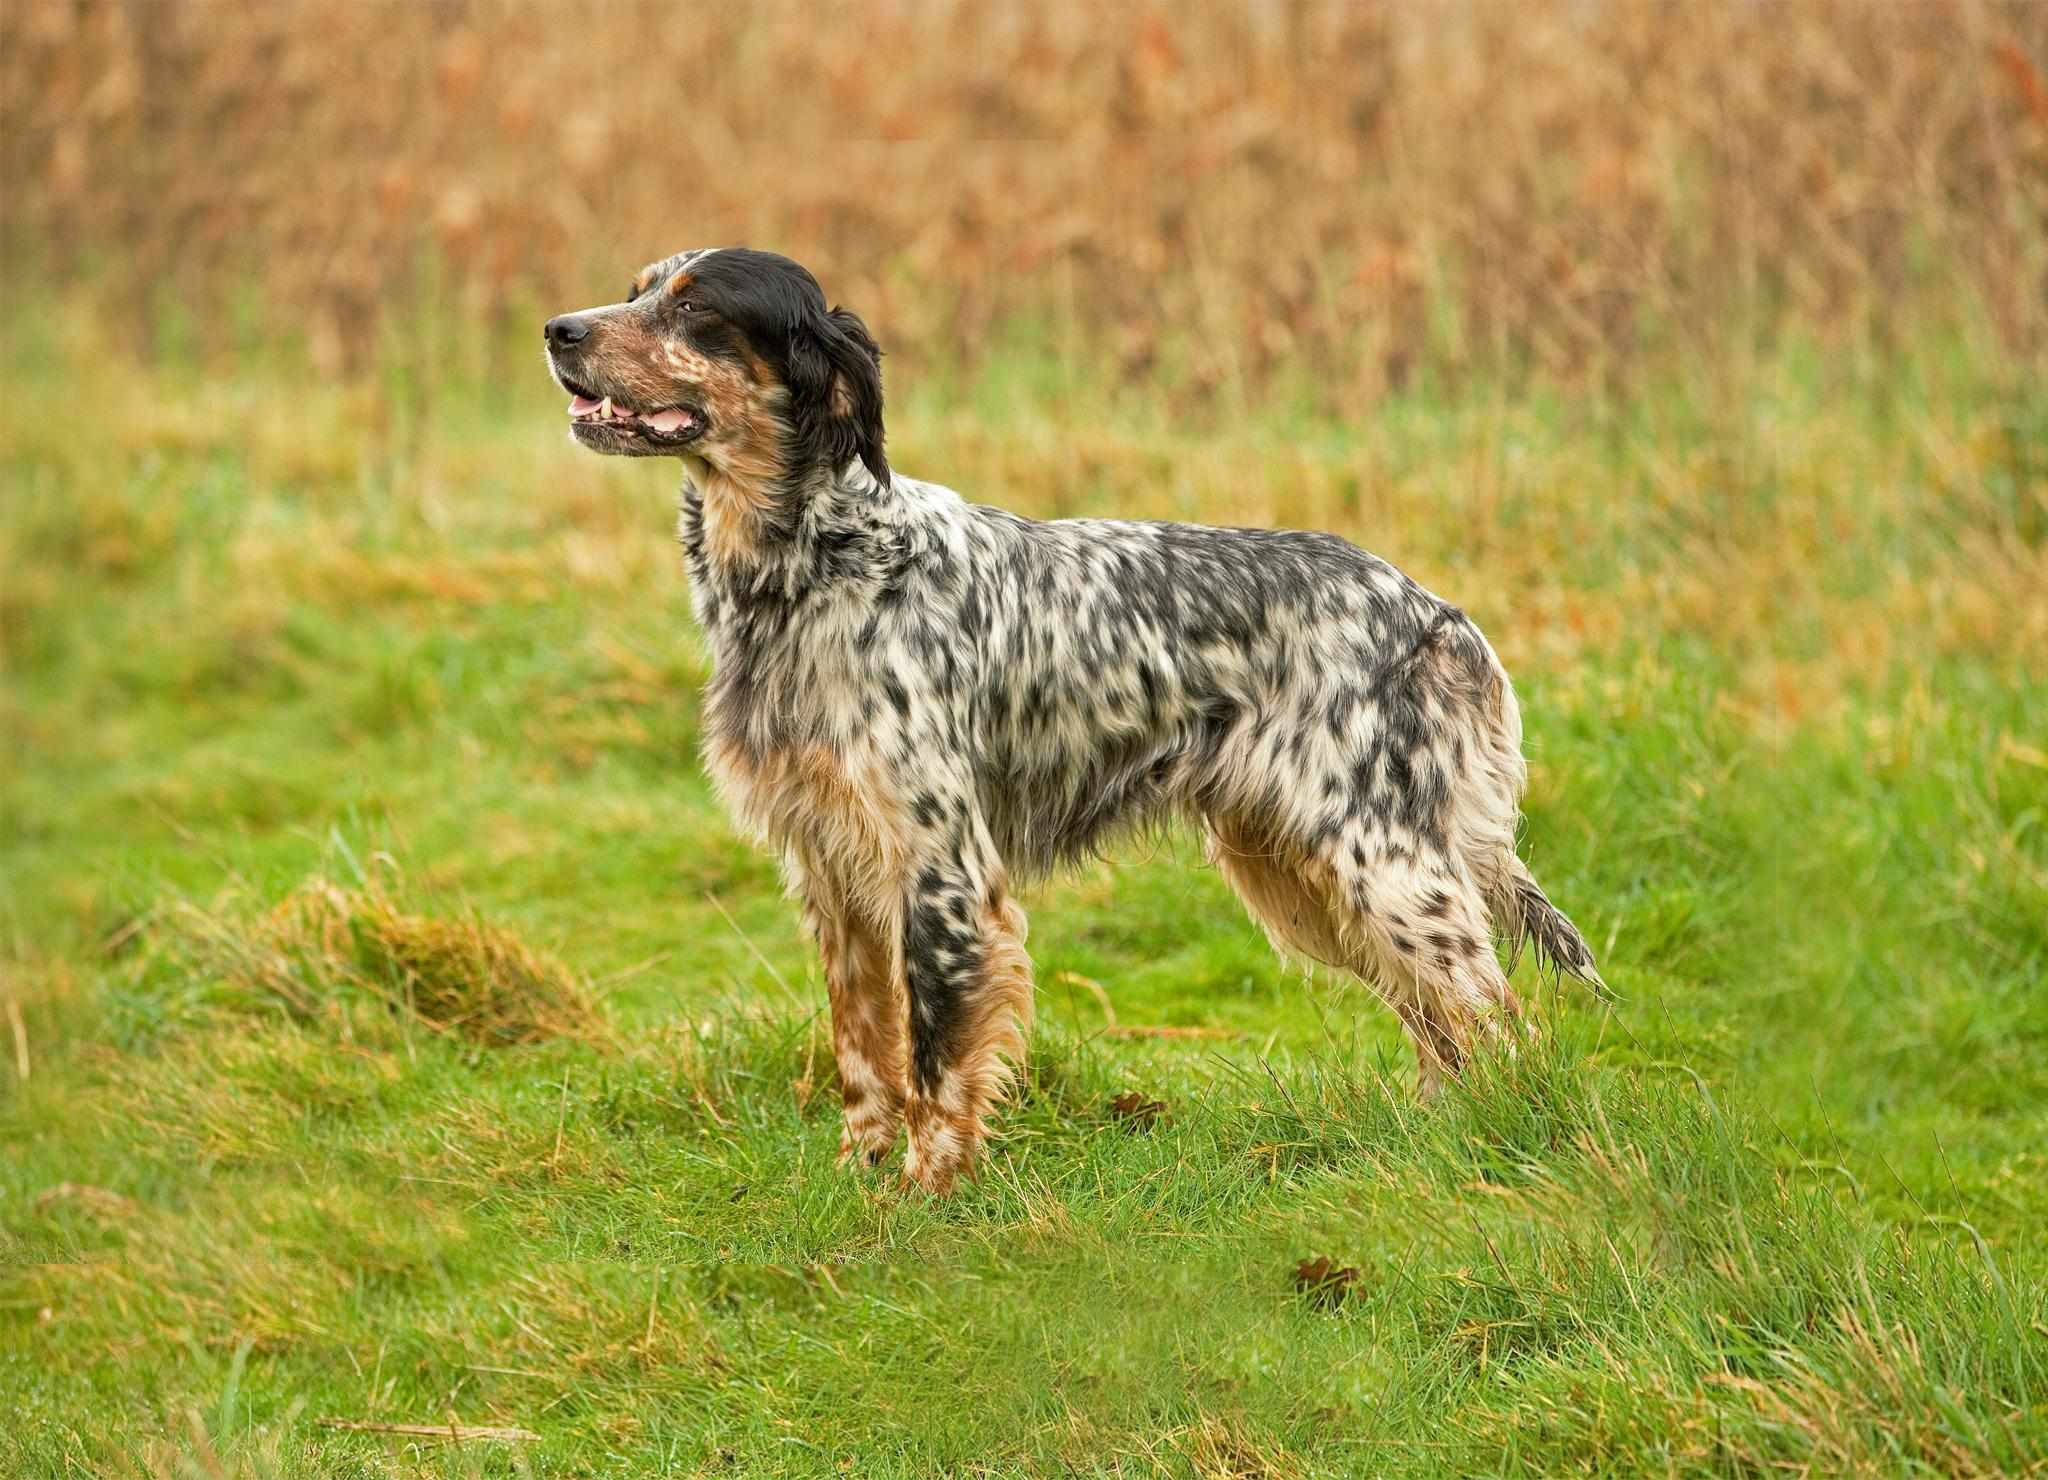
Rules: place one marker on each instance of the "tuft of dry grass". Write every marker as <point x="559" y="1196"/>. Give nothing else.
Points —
<point x="455" y="973"/>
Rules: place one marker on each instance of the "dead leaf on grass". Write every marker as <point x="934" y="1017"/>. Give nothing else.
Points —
<point x="1324" y="1282"/>
<point x="1137" y="1111"/>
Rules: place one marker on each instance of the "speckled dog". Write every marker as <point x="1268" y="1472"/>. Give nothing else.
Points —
<point x="918" y="700"/>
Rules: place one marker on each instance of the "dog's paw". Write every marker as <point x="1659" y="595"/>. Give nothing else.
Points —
<point x="937" y="1176"/>
<point x="864" y="1151"/>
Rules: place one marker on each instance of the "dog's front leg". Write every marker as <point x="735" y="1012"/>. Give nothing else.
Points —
<point x="969" y="984"/>
<point x="867" y="1012"/>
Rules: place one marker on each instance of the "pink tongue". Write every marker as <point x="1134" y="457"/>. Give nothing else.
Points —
<point x="668" y="421"/>
<point x="582" y="406"/>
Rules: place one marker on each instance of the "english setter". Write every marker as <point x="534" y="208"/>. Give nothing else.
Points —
<point x="917" y="700"/>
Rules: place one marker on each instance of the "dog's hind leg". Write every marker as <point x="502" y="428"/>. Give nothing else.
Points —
<point x="1286" y="889"/>
<point x="970" y="990"/>
<point x="1412" y="928"/>
<point x="1424" y="926"/>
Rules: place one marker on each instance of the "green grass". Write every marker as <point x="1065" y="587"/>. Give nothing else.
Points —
<point x="1779" y="638"/>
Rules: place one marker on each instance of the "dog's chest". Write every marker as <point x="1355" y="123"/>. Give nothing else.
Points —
<point x="836" y="814"/>
<point x="786" y="678"/>
<point x="792" y="737"/>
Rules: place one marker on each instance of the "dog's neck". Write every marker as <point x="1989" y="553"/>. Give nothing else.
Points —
<point x="757" y="534"/>
<point x="771" y="575"/>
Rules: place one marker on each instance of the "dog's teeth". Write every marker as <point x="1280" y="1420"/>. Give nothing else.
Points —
<point x="604" y="408"/>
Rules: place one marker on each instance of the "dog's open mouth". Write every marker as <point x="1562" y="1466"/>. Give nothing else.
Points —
<point x="671" y="424"/>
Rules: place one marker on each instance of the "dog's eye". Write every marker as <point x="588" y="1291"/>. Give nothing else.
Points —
<point x="688" y="305"/>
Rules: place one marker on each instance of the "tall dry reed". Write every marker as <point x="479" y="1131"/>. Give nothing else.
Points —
<point x="1354" y="187"/>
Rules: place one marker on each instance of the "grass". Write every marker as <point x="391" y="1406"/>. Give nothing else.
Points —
<point x="398" y="1034"/>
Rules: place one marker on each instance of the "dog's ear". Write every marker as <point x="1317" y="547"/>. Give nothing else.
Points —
<point x="835" y="386"/>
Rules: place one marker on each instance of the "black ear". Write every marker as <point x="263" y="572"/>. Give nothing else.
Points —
<point x="835" y="387"/>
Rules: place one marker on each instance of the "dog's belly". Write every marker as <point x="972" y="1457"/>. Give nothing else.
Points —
<point x="1054" y="790"/>
<point x="1133" y="670"/>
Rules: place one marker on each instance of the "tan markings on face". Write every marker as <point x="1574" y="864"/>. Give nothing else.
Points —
<point x="741" y="454"/>
<point x="739" y="461"/>
<point x="725" y="389"/>
<point x="628" y="358"/>
<point x="680" y="283"/>
<point x="641" y="279"/>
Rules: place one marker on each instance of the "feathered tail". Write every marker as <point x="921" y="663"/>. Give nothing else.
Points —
<point x="1526" y="917"/>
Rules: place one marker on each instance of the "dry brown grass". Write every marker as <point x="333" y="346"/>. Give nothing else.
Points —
<point x="1802" y="589"/>
<point x="454" y="973"/>
<point x="1358" y="188"/>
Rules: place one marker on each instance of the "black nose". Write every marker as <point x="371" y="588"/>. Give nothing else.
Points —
<point x="566" y="331"/>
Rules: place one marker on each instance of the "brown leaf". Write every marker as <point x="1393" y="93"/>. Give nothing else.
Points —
<point x="1133" y="1107"/>
<point x="1324" y="1282"/>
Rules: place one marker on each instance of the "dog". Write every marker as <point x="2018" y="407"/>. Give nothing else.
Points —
<point x="919" y="702"/>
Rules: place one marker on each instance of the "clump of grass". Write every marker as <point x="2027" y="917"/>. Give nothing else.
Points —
<point x="455" y="972"/>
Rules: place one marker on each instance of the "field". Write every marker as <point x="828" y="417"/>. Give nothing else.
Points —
<point x="399" y="1035"/>
<point x="396" y="1034"/>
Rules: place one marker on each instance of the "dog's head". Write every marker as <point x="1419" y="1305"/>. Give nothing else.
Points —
<point x="728" y="355"/>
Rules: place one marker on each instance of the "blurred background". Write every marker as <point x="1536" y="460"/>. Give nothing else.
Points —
<point x="1348" y="194"/>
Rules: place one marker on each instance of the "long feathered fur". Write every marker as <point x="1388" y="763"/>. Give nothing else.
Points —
<point x="916" y="699"/>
